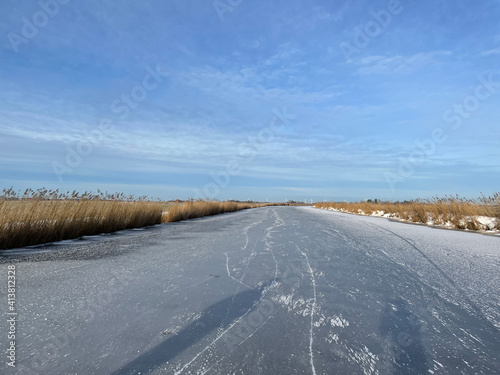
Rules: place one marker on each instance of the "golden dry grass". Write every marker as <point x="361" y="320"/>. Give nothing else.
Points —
<point x="38" y="217"/>
<point x="42" y="216"/>
<point x="452" y="211"/>
<point x="191" y="210"/>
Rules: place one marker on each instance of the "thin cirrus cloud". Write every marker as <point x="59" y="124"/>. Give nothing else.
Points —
<point x="400" y="64"/>
<point x="490" y="52"/>
<point x="222" y="82"/>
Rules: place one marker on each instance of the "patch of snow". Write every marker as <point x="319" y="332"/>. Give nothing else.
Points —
<point x="338" y="321"/>
<point x="489" y="223"/>
<point x="484" y="223"/>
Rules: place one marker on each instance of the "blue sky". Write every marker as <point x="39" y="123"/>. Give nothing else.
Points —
<point x="251" y="99"/>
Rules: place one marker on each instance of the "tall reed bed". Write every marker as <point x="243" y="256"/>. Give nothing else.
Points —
<point x="191" y="210"/>
<point x="42" y="216"/>
<point x="451" y="211"/>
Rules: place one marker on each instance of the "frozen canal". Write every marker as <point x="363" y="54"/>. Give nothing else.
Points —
<point x="275" y="290"/>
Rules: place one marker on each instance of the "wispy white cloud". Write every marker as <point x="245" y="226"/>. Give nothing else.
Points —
<point x="285" y="53"/>
<point x="249" y="88"/>
<point x="494" y="51"/>
<point x="353" y="120"/>
<point x="398" y="63"/>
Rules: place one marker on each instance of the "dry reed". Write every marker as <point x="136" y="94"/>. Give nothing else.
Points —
<point x="42" y="216"/>
<point x="191" y="210"/>
<point x="451" y="211"/>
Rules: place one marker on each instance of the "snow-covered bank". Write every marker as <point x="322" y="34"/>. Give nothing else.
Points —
<point x="482" y="224"/>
